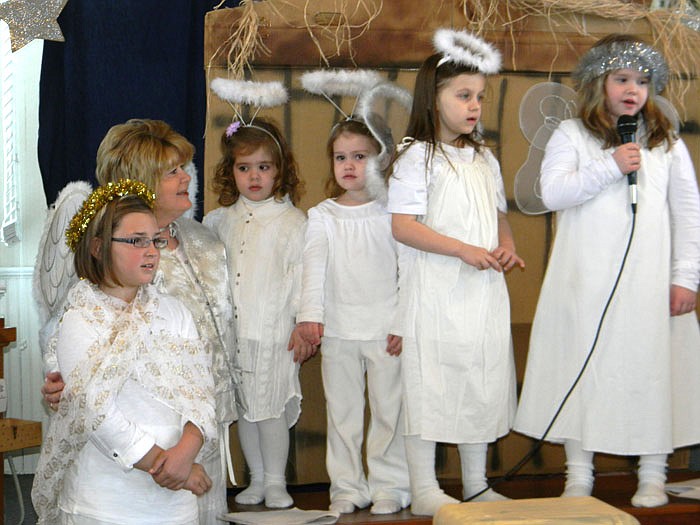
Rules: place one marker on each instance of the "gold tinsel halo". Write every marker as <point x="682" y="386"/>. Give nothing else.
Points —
<point x="98" y="199"/>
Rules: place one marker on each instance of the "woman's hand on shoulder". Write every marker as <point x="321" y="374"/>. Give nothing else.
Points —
<point x="628" y="157"/>
<point x="52" y="389"/>
<point x="507" y="258"/>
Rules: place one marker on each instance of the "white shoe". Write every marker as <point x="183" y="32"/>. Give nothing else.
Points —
<point x="489" y="495"/>
<point x="385" y="506"/>
<point x="576" y="491"/>
<point x="344" y="506"/>
<point x="649" y="495"/>
<point x="428" y="502"/>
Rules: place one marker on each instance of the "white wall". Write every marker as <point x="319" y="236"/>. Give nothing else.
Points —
<point x="23" y="369"/>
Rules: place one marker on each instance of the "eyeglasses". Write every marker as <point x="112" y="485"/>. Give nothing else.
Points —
<point x="143" y="242"/>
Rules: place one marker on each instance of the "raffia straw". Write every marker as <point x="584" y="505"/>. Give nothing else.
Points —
<point x="679" y="44"/>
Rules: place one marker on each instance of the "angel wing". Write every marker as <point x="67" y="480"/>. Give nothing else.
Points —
<point x="542" y="108"/>
<point x="192" y="189"/>
<point x="54" y="273"/>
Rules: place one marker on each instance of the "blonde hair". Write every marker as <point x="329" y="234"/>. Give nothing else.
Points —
<point x="141" y="149"/>
<point x="594" y="113"/>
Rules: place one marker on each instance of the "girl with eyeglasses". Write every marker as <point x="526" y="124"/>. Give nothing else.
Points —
<point x="137" y="410"/>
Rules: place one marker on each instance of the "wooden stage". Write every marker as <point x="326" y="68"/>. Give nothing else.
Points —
<point x="613" y="488"/>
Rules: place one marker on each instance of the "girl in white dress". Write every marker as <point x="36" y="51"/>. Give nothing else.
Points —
<point x="639" y="393"/>
<point x="350" y="299"/>
<point x="263" y="232"/>
<point x="448" y="203"/>
<point x="138" y="403"/>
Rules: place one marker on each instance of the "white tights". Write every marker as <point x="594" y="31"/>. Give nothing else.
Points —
<point x="265" y="446"/>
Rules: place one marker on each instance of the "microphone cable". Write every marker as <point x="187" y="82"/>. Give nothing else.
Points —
<point x="538" y="444"/>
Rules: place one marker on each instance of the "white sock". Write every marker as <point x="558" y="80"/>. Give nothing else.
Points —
<point x="250" y="444"/>
<point x="472" y="457"/>
<point x="579" y="470"/>
<point x="427" y="497"/>
<point x="385" y="506"/>
<point x="342" y="506"/>
<point x="651" y="481"/>
<point x="274" y="445"/>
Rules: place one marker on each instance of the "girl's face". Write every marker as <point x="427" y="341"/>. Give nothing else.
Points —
<point x="350" y="153"/>
<point x="255" y="174"/>
<point x="459" y="105"/>
<point x="133" y="266"/>
<point x="626" y="92"/>
<point x="172" y="195"/>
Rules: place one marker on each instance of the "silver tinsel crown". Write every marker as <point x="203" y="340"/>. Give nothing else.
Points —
<point x="622" y="55"/>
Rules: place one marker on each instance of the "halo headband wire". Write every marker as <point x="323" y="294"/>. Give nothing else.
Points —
<point x="337" y="82"/>
<point x="257" y="95"/>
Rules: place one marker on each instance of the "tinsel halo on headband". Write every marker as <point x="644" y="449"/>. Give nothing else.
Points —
<point x="98" y="199"/>
<point x="637" y="56"/>
<point x="467" y="49"/>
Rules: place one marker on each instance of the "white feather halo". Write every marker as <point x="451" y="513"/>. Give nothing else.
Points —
<point x="467" y="49"/>
<point x="330" y="82"/>
<point x="365" y="103"/>
<point x="258" y="94"/>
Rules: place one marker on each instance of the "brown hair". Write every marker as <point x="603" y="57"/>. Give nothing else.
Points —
<point x="594" y="113"/>
<point x="100" y="269"/>
<point x="141" y="149"/>
<point x="246" y="140"/>
<point x="351" y="126"/>
<point x="424" y="122"/>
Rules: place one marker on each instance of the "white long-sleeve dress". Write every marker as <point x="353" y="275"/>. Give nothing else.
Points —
<point x="640" y="393"/>
<point x="264" y="242"/>
<point x="457" y="362"/>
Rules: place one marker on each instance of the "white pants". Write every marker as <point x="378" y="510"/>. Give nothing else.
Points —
<point x="344" y="364"/>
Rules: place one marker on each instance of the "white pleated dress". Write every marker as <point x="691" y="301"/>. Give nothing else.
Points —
<point x="457" y="362"/>
<point x="641" y="391"/>
<point x="264" y="242"/>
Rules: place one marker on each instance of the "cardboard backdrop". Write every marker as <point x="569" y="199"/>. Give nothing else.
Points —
<point x="395" y="44"/>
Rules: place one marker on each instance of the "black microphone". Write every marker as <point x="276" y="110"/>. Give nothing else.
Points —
<point x="627" y="128"/>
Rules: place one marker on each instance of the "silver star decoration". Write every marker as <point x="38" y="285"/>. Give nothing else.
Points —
<point x="30" y="19"/>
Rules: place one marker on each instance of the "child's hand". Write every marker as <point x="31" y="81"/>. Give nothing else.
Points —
<point x="301" y="348"/>
<point x="172" y="467"/>
<point x="310" y="332"/>
<point x="682" y="300"/>
<point x="394" y="344"/>
<point x="507" y="258"/>
<point x="198" y="481"/>
<point x="478" y="257"/>
<point x="628" y="157"/>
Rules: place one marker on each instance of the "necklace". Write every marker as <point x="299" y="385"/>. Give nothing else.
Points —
<point x="172" y="230"/>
